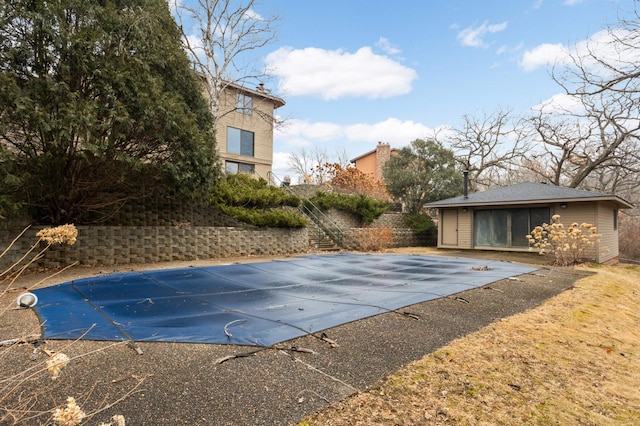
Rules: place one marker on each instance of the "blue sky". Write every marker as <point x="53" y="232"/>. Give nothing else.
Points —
<point x="355" y="72"/>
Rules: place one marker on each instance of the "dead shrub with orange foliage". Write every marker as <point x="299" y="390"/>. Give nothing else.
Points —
<point x="374" y="239"/>
<point x="348" y="179"/>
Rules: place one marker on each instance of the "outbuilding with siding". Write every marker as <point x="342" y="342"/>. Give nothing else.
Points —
<point x="500" y="218"/>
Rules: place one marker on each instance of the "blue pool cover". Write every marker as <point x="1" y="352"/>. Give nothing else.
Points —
<point x="258" y="304"/>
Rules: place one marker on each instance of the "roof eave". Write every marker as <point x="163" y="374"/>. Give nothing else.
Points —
<point x="373" y="151"/>
<point x="469" y="203"/>
<point x="278" y="102"/>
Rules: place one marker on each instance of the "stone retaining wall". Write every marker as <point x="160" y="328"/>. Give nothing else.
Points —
<point x="109" y="245"/>
<point x="402" y="235"/>
<point x="159" y="232"/>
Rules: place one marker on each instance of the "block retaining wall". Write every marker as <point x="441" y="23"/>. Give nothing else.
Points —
<point x="110" y="245"/>
<point x="403" y="236"/>
<point x="149" y="234"/>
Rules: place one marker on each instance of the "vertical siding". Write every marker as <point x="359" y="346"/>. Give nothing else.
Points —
<point x="465" y="229"/>
<point x="585" y="212"/>
<point x="597" y="214"/>
<point x="608" y="246"/>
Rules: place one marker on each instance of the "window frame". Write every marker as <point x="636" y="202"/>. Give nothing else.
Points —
<point x="244" y="103"/>
<point x="243" y="144"/>
<point x="488" y="232"/>
<point x="250" y="168"/>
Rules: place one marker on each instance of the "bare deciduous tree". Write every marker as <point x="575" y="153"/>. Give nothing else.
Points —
<point x="488" y="147"/>
<point x="591" y="139"/>
<point x="598" y="138"/>
<point x="220" y="35"/>
<point x="609" y="66"/>
<point x="309" y="164"/>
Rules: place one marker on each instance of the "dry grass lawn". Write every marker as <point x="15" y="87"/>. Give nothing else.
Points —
<point x="575" y="360"/>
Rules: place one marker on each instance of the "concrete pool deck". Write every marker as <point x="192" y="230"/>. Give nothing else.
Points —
<point x="185" y="384"/>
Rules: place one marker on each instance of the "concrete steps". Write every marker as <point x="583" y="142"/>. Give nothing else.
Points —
<point x="319" y="240"/>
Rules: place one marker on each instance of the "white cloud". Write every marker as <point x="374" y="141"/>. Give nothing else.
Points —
<point x="253" y="15"/>
<point x="195" y="42"/>
<point x="392" y="130"/>
<point x="560" y="104"/>
<point x="280" y="166"/>
<point x="174" y="5"/>
<point x="572" y="2"/>
<point x="335" y="74"/>
<point x="303" y="133"/>
<point x="386" y="46"/>
<point x="474" y="37"/>
<point x="543" y="55"/>
<point x="601" y="44"/>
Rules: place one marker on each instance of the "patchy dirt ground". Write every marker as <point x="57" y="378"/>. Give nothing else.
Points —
<point x="173" y="384"/>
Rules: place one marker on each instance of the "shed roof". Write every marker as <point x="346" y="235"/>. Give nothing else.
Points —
<point x="528" y="193"/>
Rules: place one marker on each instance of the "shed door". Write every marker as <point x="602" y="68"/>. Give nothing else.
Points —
<point x="449" y="227"/>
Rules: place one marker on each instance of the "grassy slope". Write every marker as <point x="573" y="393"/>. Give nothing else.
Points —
<point x="575" y="360"/>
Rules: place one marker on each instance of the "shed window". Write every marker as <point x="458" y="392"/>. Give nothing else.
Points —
<point x="507" y="227"/>
<point x="615" y="219"/>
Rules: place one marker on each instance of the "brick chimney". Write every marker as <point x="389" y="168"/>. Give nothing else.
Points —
<point x="383" y="153"/>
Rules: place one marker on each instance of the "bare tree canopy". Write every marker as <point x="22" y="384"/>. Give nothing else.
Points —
<point x="609" y="63"/>
<point x="309" y="164"/>
<point x="597" y="136"/>
<point x="488" y="147"/>
<point x="589" y="136"/>
<point x="220" y="36"/>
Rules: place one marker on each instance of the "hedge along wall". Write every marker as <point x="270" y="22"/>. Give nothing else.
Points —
<point x="110" y="245"/>
<point x="158" y="231"/>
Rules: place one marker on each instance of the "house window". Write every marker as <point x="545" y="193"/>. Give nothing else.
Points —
<point x="507" y="227"/>
<point x="233" y="167"/>
<point x="240" y="142"/>
<point x="615" y="219"/>
<point x="244" y="104"/>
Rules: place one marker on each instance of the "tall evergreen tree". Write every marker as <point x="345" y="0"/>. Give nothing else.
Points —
<point x="420" y="173"/>
<point x="98" y="106"/>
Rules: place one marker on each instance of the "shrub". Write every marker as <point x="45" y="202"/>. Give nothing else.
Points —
<point x="255" y="202"/>
<point x="375" y="239"/>
<point x="348" y="179"/>
<point x="265" y="218"/>
<point x="420" y="223"/>
<point x="629" y="237"/>
<point x="244" y="191"/>
<point x="566" y="244"/>
<point x="367" y="209"/>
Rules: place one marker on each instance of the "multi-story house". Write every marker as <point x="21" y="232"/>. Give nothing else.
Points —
<point x="244" y="129"/>
<point x="372" y="162"/>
